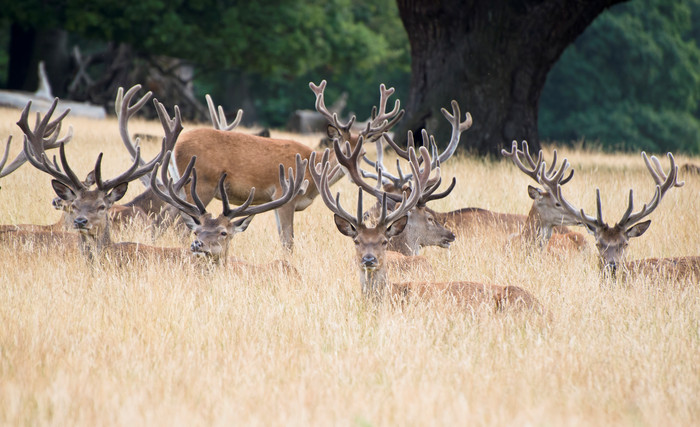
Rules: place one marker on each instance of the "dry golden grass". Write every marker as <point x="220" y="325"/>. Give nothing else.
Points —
<point x="159" y="344"/>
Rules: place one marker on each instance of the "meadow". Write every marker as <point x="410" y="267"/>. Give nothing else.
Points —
<point x="156" y="343"/>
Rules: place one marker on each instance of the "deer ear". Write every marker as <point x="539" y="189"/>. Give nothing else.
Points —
<point x="241" y="225"/>
<point x="333" y="133"/>
<point x="63" y="191"/>
<point x="344" y="226"/>
<point x="638" y="229"/>
<point x="397" y="227"/>
<point x="90" y="179"/>
<point x="534" y="192"/>
<point x="117" y="192"/>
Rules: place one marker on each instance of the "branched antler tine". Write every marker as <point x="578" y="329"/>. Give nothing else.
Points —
<point x="158" y="192"/>
<point x="18" y="161"/>
<point x="420" y="179"/>
<point x="382" y="120"/>
<point x="78" y="184"/>
<point x="173" y="198"/>
<point x="351" y="163"/>
<point x="176" y="187"/>
<point x="5" y="155"/>
<point x="579" y="213"/>
<point x="125" y="111"/>
<point x="172" y="129"/>
<point x="628" y="219"/>
<point x="290" y="188"/>
<point x="227" y="211"/>
<point x="54" y="142"/>
<point x="193" y="192"/>
<point x="515" y="154"/>
<point x="442" y="195"/>
<point x="219" y="121"/>
<point x="184" y="179"/>
<point x="656" y="170"/>
<point x="321" y="107"/>
<point x="458" y="127"/>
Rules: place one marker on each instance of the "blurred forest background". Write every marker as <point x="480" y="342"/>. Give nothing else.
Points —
<point x="630" y="81"/>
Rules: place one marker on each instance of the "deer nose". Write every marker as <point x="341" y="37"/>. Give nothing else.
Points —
<point x="196" y="246"/>
<point x="80" y="222"/>
<point x="451" y="237"/>
<point x="369" y="261"/>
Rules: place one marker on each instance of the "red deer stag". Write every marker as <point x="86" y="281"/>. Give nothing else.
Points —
<point x="89" y="208"/>
<point x="45" y="135"/>
<point x="213" y="234"/>
<point x="371" y="243"/>
<point x="546" y="212"/>
<point x="421" y="229"/>
<point x="251" y="161"/>
<point x="612" y="241"/>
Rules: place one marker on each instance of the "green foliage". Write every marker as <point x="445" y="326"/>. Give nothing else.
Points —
<point x="632" y="80"/>
<point x="278" y="45"/>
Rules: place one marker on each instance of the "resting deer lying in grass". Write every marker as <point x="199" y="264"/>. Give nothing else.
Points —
<point x="612" y="241"/>
<point x="44" y="136"/>
<point x="251" y="161"/>
<point x="422" y="229"/>
<point x="213" y="234"/>
<point x="546" y="212"/>
<point x="371" y="243"/>
<point x="89" y="208"/>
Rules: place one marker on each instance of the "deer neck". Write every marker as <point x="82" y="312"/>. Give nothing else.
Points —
<point x="403" y="245"/>
<point x="374" y="283"/>
<point x="534" y="230"/>
<point x="94" y="245"/>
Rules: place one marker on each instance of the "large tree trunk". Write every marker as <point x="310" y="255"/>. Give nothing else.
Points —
<point x="492" y="56"/>
<point x="28" y="46"/>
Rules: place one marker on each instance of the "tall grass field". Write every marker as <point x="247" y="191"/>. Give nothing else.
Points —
<point x="158" y="343"/>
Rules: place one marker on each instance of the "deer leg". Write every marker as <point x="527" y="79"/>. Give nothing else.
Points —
<point x="285" y="225"/>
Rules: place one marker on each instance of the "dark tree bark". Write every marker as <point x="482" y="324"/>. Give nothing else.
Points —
<point x="492" y="56"/>
<point x="28" y="46"/>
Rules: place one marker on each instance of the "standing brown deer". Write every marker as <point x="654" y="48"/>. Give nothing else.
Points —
<point x="251" y="161"/>
<point x="213" y="234"/>
<point x="612" y="241"/>
<point x="371" y="243"/>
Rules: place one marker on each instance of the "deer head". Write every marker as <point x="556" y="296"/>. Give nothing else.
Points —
<point x="546" y="209"/>
<point x="87" y="208"/>
<point x="213" y="234"/>
<point x="422" y="229"/>
<point x="380" y="121"/>
<point x="371" y="240"/>
<point x="612" y="241"/>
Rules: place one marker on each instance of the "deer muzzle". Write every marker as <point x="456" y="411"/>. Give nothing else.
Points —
<point x="369" y="262"/>
<point x="80" y="223"/>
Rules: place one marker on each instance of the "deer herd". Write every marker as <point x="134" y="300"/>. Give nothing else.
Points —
<point x="259" y="174"/>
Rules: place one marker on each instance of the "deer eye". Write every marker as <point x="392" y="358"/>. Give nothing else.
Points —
<point x="224" y="234"/>
<point x="101" y="208"/>
<point x="356" y="242"/>
<point x="385" y="242"/>
<point x="431" y="220"/>
<point x="558" y="205"/>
